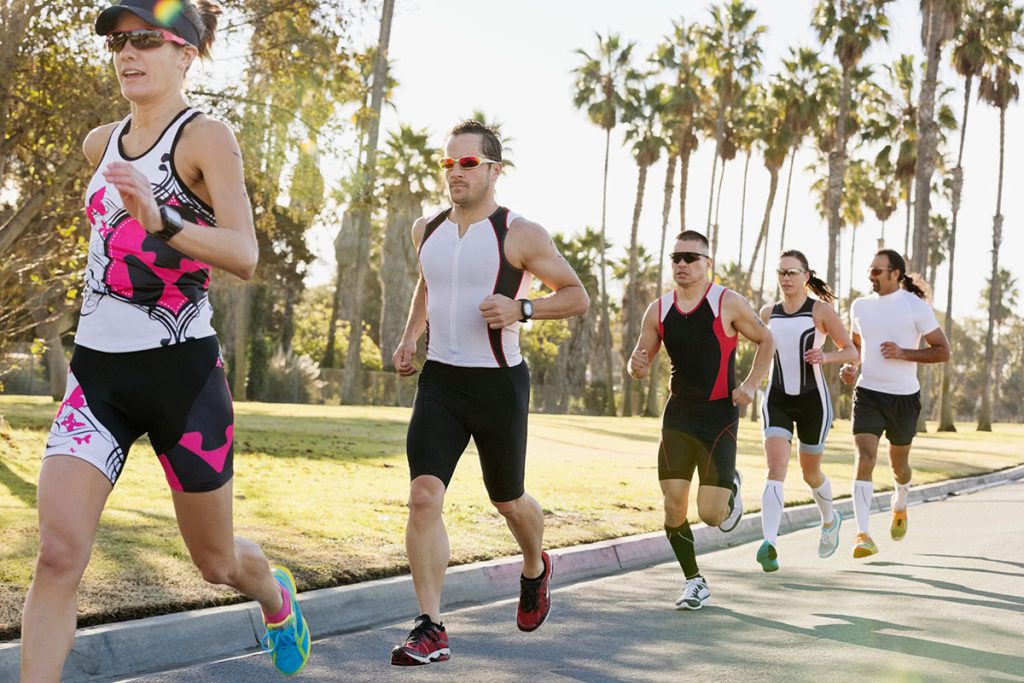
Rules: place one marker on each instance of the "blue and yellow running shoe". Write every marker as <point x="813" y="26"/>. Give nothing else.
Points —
<point x="288" y="642"/>
<point x="768" y="557"/>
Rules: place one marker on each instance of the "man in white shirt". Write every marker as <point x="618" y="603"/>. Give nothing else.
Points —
<point x="887" y="329"/>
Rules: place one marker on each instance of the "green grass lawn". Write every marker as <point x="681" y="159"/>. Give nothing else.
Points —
<point x="323" y="489"/>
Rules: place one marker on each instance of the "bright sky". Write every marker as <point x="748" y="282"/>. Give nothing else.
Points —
<point x="513" y="60"/>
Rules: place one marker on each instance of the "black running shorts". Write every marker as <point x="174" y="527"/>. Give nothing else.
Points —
<point x="810" y="411"/>
<point x="699" y="435"/>
<point x="454" y="403"/>
<point x="177" y="394"/>
<point x="875" y="412"/>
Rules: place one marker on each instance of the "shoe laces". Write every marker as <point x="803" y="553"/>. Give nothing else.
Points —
<point x="278" y="637"/>
<point x="528" y="597"/>
<point x="422" y="630"/>
<point x="692" y="588"/>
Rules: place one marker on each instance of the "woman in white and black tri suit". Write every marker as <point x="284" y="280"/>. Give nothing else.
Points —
<point x="798" y="395"/>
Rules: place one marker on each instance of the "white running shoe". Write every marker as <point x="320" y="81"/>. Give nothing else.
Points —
<point x="829" y="540"/>
<point x="695" y="594"/>
<point x="730" y="522"/>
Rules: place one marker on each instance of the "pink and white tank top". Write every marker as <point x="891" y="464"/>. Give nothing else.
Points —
<point x="140" y="292"/>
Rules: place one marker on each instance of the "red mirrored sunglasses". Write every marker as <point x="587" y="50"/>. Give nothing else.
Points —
<point x="471" y="161"/>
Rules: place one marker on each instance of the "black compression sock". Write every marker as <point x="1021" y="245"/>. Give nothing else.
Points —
<point x="681" y="539"/>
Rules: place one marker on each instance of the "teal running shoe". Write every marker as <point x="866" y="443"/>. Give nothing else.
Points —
<point x="288" y="642"/>
<point x="768" y="557"/>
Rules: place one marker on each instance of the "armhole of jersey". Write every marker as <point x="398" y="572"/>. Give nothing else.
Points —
<point x="189" y="118"/>
<point x="116" y="130"/>
<point x="715" y="294"/>
<point x="432" y="225"/>
<point x="665" y="303"/>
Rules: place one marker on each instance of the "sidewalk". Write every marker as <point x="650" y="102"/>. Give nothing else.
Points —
<point x="177" y="640"/>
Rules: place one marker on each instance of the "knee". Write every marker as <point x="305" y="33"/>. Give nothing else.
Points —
<point x="62" y="556"/>
<point x="425" y="499"/>
<point x="712" y="518"/>
<point x="512" y="508"/>
<point x="216" y="569"/>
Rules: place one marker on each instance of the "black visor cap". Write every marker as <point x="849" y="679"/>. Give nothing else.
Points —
<point x="143" y="9"/>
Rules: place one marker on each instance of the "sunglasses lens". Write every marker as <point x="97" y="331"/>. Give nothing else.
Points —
<point x="469" y="162"/>
<point x="446" y="163"/>
<point x="144" y="39"/>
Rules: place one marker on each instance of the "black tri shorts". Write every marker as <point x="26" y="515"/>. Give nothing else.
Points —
<point x="875" y="412"/>
<point x="810" y="411"/>
<point x="699" y="435"/>
<point x="176" y="394"/>
<point x="454" y="403"/>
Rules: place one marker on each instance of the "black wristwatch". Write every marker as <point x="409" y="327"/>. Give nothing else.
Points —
<point x="172" y="222"/>
<point x="527" y="309"/>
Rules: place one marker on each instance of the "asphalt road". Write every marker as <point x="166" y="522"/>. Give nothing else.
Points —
<point x="947" y="603"/>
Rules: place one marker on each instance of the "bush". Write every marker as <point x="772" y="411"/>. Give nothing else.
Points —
<point x="292" y="378"/>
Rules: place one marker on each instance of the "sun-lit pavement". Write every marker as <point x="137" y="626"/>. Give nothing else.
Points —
<point x="947" y="603"/>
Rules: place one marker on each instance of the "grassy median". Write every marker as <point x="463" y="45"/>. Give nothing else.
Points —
<point x="323" y="490"/>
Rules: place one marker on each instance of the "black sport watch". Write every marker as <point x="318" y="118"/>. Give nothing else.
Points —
<point x="527" y="309"/>
<point x="172" y="222"/>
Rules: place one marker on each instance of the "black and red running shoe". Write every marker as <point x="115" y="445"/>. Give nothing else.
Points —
<point x="427" y="642"/>
<point x="534" y="598"/>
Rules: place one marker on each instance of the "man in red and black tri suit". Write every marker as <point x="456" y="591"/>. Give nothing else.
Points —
<point x="699" y="322"/>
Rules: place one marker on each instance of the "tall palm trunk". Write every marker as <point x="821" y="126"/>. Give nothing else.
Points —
<point x="718" y="205"/>
<point x="994" y="295"/>
<point x="836" y="170"/>
<point x="910" y="211"/>
<point x="762" y="236"/>
<point x="651" y="406"/>
<point x="632" y="294"/>
<point x="606" y="327"/>
<point x="684" y="182"/>
<point x="929" y="133"/>
<point x="785" y="214"/>
<point x="352" y="379"/>
<point x="946" y="402"/>
<point x="719" y="132"/>
<point x="743" y="205"/>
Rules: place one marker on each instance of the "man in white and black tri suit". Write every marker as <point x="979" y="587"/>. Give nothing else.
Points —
<point x="888" y="326"/>
<point x="477" y="260"/>
<point x="699" y="323"/>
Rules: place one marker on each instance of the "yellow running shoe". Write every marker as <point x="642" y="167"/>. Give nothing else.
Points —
<point x="864" y="546"/>
<point x="898" y="529"/>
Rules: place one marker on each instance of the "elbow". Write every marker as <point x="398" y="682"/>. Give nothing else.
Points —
<point x="945" y="354"/>
<point x="246" y="268"/>
<point x="583" y="305"/>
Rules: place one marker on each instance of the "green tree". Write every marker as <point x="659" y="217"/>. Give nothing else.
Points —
<point x="600" y="88"/>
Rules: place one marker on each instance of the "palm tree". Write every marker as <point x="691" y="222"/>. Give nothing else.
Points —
<point x="600" y="88"/>
<point x="351" y="388"/>
<point x="731" y="53"/>
<point x="747" y="128"/>
<point x="969" y="56"/>
<point x="641" y="115"/>
<point x="939" y="20"/>
<point x="409" y="176"/>
<point x="804" y="87"/>
<point x="853" y="25"/>
<point x="686" y="92"/>
<point x="998" y="88"/>
<point x="899" y="124"/>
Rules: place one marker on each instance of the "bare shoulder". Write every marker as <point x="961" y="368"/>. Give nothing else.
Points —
<point x="95" y="142"/>
<point x="208" y="135"/>
<point x="736" y="301"/>
<point x="766" y="312"/>
<point x="419" y="226"/>
<point x="528" y="231"/>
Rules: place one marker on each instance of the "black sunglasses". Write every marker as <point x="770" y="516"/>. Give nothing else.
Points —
<point x="688" y="256"/>
<point x="142" y="39"/>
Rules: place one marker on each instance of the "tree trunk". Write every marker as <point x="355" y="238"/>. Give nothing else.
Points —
<point x="910" y="211"/>
<point x="946" y="423"/>
<point x="606" y="325"/>
<point x="29" y="209"/>
<point x="743" y="205"/>
<point x="762" y="236"/>
<point x="651" y="406"/>
<point x="785" y="214"/>
<point x="994" y="295"/>
<point x="929" y="135"/>
<point x="718" y="205"/>
<point x="352" y="378"/>
<point x="629" y="385"/>
<point x="684" y="181"/>
<point x="346" y="246"/>
<point x="836" y="171"/>
<point x="397" y="274"/>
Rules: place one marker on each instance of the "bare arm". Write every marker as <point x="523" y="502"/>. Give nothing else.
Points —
<point x="95" y="142"/>
<point x="210" y="148"/>
<point x="742" y="318"/>
<point x="826" y="318"/>
<point x="647" y="344"/>
<point x="416" y="323"/>
<point x="529" y="246"/>
<point x="937" y="350"/>
<point x="848" y="372"/>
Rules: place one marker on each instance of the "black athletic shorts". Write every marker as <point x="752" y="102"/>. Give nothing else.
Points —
<point x="454" y="403"/>
<point x="699" y="435"/>
<point x="875" y="412"/>
<point x="810" y="411"/>
<point x="177" y="394"/>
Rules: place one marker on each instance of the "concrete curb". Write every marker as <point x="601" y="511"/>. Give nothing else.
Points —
<point x="175" y="640"/>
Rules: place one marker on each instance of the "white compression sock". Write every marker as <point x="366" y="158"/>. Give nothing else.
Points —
<point x="862" y="492"/>
<point x="823" y="497"/>
<point x="899" y="497"/>
<point x="771" y="510"/>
